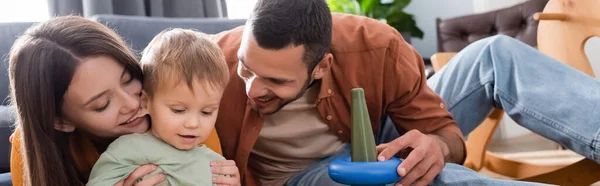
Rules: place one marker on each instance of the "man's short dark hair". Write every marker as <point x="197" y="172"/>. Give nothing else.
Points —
<point x="277" y="24"/>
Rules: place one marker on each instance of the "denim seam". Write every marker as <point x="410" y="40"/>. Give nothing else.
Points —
<point x="551" y="123"/>
<point x="470" y="90"/>
<point x="596" y="147"/>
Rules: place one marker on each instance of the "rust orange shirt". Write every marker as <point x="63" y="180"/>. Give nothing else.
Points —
<point x="367" y="54"/>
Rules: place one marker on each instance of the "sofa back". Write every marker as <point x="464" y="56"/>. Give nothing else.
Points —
<point x="516" y="21"/>
<point x="139" y="31"/>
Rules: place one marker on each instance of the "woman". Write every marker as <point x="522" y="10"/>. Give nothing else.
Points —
<point x="76" y="87"/>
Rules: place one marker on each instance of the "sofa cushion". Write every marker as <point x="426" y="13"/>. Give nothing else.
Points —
<point x="9" y="32"/>
<point x="138" y="30"/>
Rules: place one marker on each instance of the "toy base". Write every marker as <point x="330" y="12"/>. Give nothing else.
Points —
<point x="344" y="171"/>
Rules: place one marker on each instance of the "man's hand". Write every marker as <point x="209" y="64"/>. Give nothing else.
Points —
<point x="228" y="169"/>
<point x="424" y="162"/>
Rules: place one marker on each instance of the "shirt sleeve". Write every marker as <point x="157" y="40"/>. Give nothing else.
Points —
<point x="413" y="105"/>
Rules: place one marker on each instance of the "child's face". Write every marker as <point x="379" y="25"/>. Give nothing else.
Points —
<point x="182" y="117"/>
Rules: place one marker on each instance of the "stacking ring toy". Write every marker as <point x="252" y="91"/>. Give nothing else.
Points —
<point x="361" y="166"/>
<point x="344" y="171"/>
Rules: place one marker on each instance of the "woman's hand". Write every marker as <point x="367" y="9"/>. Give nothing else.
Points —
<point x="228" y="169"/>
<point x="139" y="173"/>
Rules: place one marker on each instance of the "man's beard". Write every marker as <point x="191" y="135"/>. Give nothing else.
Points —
<point x="307" y="84"/>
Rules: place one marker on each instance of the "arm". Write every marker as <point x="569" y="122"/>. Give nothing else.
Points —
<point x="433" y="137"/>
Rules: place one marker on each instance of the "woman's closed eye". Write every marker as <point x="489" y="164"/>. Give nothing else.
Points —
<point x="103" y="108"/>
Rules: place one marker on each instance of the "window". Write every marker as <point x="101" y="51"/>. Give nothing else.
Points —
<point x="23" y="10"/>
<point x="239" y="9"/>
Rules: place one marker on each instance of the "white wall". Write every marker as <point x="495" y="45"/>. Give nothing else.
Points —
<point x="592" y="50"/>
<point x="480" y="6"/>
<point x="426" y="11"/>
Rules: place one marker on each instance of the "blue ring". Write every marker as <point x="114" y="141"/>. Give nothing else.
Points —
<point x="343" y="170"/>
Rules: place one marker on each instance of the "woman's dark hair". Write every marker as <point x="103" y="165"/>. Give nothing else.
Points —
<point x="41" y="66"/>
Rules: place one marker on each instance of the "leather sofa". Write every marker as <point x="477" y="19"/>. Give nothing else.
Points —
<point x="516" y="21"/>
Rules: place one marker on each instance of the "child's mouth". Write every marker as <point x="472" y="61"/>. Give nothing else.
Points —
<point x="188" y="138"/>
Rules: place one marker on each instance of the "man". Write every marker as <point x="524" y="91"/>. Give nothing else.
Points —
<point x="288" y="103"/>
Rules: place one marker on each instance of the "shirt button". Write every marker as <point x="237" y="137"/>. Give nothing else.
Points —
<point x="329" y="91"/>
<point x="340" y="132"/>
<point x="442" y="105"/>
<point x="329" y="118"/>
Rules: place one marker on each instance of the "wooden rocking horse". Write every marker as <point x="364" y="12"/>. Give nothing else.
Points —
<point x="564" y="27"/>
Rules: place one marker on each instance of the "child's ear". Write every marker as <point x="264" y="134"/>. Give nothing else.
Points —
<point x="145" y="100"/>
<point x="62" y="125"/>
<point x="145" y="103"/>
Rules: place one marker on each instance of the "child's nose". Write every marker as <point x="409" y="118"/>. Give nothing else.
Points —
<point x="193" y="122"/>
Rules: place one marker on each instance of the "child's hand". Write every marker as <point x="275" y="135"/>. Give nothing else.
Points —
<point x="139" y="173"/>
<point x="227" y="168"/>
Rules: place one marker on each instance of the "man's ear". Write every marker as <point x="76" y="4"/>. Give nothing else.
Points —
<point x="62" y="125"/>
<point x="323" y="67"/>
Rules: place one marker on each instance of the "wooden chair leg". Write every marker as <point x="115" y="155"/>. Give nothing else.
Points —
<point x="584" y="172"/>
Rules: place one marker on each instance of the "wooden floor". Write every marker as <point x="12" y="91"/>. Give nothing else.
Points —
<point x="532" y="148"/>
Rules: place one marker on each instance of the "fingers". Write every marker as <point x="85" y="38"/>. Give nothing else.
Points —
<point x="392" y="148"/>
<point x="225" y="180"/>
<point x="435" y="169"/>
<point x="415" y="157"/>
<point x="222" y="163"/>
<point x="382" y="146"/>
<point x="138" y="173"/>
<point x="225" y="170"/>
<point x="416" y="172"/>
<point x="153" y="180"/>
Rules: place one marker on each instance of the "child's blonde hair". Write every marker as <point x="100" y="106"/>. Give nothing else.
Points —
<point x="177" y="55"/>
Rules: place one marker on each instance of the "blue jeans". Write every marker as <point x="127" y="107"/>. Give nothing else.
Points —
<point x="538" y="92"/>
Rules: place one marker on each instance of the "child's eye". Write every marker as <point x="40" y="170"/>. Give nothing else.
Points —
<point x="207" y="113"/>
<point x="177" y="111"/>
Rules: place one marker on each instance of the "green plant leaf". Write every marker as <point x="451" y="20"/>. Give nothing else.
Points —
<point x="398" y="5"/>
<point x="344" y="6"/>
<point x="393" y="13"/>
<point x="380" y="11"/>
<point x="404" y="22"/>
<point x="367" y="6"/>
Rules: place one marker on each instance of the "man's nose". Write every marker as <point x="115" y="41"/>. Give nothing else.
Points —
<point x="255" y="88"/>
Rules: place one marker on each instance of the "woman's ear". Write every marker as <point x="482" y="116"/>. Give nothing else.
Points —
<point x="62" y="125"/>
<point x="323" y="67"/>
